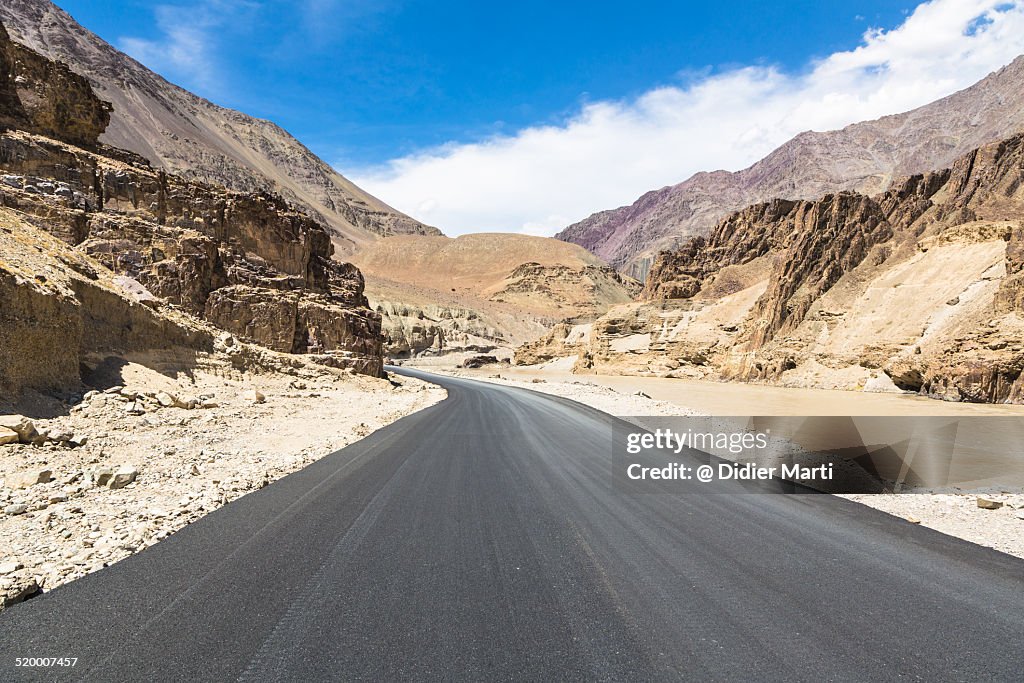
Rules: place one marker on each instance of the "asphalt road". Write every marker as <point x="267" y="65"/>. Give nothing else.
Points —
<point x="481" y="539"/>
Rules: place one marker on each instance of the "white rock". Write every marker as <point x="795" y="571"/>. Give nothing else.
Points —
<point x="187" y="402"/>
<point x="22" y="480"/>
<point x="124" y="475"/>
<point x="8" y="436"/>
<point x="83" y="557"/>
<point x="166" y="400"/>
<point x="10" y="567"/>
<point x="16" y="509"/>
<point x="253" y="396"/>
<point x="137" y="291"/>
<point x="60" y="436"/>
<point x="99" y="476"/>
<point x="21" y="425"/>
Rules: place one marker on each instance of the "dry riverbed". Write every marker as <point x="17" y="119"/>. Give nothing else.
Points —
<point x="121" y="468"/>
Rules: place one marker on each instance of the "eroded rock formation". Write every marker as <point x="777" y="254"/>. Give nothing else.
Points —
<point x="59" y="306"/>
<point x="46" y="97"/>
<point x="918" y="288"/>
<point x="249" y="263"/>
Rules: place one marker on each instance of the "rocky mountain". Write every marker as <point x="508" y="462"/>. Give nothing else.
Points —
<point x="482" y="291"/>
<point x="99" y="248"/>
<point x="918" y="288"/>
<point x="183" y="134"/>
<point x="864" y="157"/>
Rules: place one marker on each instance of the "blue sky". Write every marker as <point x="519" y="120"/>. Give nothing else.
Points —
<point x="369" y="81"/>
<point x="525" y="116"/>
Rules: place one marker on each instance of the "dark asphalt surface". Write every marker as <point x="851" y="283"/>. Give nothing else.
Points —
<point x="481" y="539"/>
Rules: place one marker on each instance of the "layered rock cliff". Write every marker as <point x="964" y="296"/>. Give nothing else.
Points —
<point x="918" y="288"/>
<point x="46" y="97"/>
<point x="435" y="330"/>
<point x="187" y="135"/>
<point x="246" y="262"/>
<point x="59" y="306"/>
<point x="864" y="157"/>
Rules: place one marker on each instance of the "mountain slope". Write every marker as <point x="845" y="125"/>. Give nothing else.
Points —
<point x="484" y="291"/>
<point x="863" y="157"/>
<point x="919" y="288"/>
<point x="248" y="263"/>
<point x="194" y="138"/>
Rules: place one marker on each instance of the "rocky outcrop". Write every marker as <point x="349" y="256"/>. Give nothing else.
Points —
<point x="560" y="341"/>
<point x="434" y="330"/>
<point x="577" y="292"/>
<point x="863" y="157"/>
<point x="189" y="136"/>
<point x="822" y="241"/>
<point x="246" y="262"/>
<point x="60" y="306"/>
<point x="249" y="263"/>
<point x="917" y="288"/>
<point x="47" y="98"/>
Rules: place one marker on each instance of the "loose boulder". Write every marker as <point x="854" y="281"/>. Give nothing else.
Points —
<point x="21" y="425"/>
<point x="23" y="480"/>
<point x="988" y="504"/>
<point x="124" y="475"/>
<point x="8" y="436"/>
<point x="253" y="396"/>
<point x="479" y="361"/>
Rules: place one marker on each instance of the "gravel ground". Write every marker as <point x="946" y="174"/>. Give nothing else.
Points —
<point x="958" y="514"/>
<point x="146" y="469"/>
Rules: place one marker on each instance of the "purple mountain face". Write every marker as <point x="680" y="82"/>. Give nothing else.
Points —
<point x="864" y="157"/>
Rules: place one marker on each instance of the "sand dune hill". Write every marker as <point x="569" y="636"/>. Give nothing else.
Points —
<point x="541" y="275"/>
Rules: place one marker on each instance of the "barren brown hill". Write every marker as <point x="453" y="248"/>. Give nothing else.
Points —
<point x="539" y="274"/>
<point x="864" y="157"/>
<point x="438" y="294"/>
<point x="194" y="138"/>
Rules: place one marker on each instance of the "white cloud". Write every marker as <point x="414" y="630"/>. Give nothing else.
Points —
<point x="611" y="152"/>
<point x="185" y="49"/>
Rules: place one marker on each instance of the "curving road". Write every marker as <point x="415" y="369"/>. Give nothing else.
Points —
<point x="480" y="539"/>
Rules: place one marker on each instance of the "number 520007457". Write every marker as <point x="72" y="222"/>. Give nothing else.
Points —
<point x="45" y="661"/>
